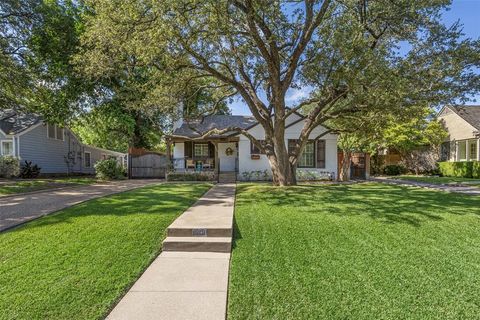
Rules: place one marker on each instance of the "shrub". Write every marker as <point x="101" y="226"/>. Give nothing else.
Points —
<point x="256" y="175"/>
<point x="313" y="175"/>
<point x="189" y="176"/>
<point x="29" y="170"/>
<point x="464" y="169"/>
<point x="476" y="170"/>
<point x="394" y="170"/>
<point x="109" y="169"/>
<point x="9" y="166"/>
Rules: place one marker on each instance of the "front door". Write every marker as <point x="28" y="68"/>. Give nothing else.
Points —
<point x="227" y="155"/>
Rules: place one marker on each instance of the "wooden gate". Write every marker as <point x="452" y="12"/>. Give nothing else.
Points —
<point x="146" y="164"/>
<point x="358" y="166"/>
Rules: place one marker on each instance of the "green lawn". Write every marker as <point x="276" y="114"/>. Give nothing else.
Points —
<point x="76" y="264"/>
<point x="441" y="180"/>
<point x="363" y="251"/>
<point x="19" y="186"/>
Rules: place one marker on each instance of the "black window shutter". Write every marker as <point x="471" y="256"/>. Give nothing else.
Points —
<point x="320" y="153"/>
<point x="189" y="149"/>
<point x="211" y="150"/>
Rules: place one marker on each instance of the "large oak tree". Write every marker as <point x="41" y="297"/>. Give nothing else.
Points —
<point x="357" y="58"/>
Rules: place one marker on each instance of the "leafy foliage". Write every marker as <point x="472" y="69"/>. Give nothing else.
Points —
<point x="464" y="169"/>
<point x="190" y="176"/>
<point x="347" y="53"/>
<point x="109" y="169"/>
<point x="394" y="170"/>
<point x="9" y="166"/>
<point x="29" y="170"/>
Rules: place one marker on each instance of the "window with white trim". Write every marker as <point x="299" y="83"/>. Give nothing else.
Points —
<point x="473" y="149"/>
<point x="462" y="150"/>
<point x="87" y="159"/>
<point x="54" y="132"/>
<point x="200" y="150"/>
<point x="307" y="157"/>
<point x="7" y="148"/>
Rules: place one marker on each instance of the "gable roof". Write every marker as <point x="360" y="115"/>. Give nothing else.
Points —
<point x="470" y="114"/>
<point x="13" y="121"/>
<point x="219" y="122"/>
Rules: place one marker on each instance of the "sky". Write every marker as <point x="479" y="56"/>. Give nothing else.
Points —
<point x="467" y="11"/>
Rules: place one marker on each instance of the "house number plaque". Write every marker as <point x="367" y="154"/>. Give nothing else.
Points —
<point x="199" y="232"/>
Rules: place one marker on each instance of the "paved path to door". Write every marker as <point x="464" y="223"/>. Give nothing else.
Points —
<point x="187" y="285"/>
<point x="471" y="190"/>
<point x="15" y="210"/>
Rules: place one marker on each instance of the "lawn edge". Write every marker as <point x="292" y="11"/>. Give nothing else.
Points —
<point x="21" y="224"/>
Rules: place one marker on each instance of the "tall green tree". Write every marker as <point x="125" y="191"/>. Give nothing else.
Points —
<point x="17" y="18"/>
<point x="347" y="51"/>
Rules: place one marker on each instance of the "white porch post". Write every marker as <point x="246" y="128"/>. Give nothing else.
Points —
<point x="456" y="151"/>
<point x="467" y="151"/>
<point x="478" y="149"/>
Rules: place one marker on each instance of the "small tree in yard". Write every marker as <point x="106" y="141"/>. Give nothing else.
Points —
<point x="417" y="141"/>
<point x="345" y="54"/>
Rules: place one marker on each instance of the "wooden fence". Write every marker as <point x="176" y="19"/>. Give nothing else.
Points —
<point x="146" y="164"/>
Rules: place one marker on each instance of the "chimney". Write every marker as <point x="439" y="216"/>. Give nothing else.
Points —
<point x="178" y="117"/>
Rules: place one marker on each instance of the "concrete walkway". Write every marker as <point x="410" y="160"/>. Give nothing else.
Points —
<point x="15" y="210"/>
<point x="191" y="283"/>
<point x="470" y="190"/>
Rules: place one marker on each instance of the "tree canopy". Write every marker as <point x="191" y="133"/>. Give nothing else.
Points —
<point x="358" y="58"/>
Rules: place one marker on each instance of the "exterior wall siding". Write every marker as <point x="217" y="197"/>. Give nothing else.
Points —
<point x="48" y="154"/>
<point x="458" y="129"/>
<point x="51" y="154"/>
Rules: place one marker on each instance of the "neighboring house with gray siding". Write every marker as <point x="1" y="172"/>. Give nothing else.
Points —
<point x="54" y="149"/>
<point x="463" y="126"/>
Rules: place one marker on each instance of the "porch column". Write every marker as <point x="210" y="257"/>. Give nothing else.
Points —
<point x="456" y="151"/>
<point x="478" y="149"/>
<point x="217" y="161"/>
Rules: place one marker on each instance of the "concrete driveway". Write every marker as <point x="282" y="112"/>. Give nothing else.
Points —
<point x="15" y="210"/>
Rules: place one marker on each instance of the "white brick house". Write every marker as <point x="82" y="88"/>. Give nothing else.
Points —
<point x="233" y="152"/>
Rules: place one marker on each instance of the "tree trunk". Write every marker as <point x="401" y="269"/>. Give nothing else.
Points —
<point x="345" y="166"/>
<point x="283" y="172"/>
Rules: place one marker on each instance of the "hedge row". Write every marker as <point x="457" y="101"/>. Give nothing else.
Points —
<point x="466" y="169"/>
<point x="189" y="176"/>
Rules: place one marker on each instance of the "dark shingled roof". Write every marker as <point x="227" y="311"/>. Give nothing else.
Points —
<point x="471" y="114"/>
<point x="213" y="122"/>
<point x="13" y="122"/>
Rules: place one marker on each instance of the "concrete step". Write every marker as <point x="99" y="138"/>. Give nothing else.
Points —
<point x="199" y="232"/>
<point x="227" y="177"/>
<point x="198" y="244"/>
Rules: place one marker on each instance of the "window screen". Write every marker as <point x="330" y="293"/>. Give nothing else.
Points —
<point x="88" y="161"/>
